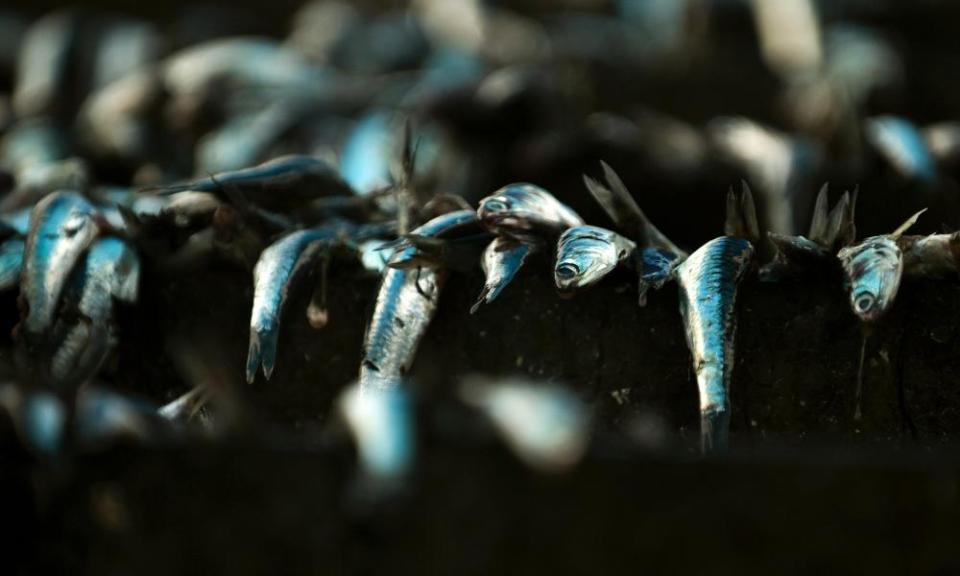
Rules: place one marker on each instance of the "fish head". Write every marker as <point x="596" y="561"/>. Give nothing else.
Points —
<point x="586" y="254"/>
<point x="872" y="270"/>
<point x="524" y="208"/>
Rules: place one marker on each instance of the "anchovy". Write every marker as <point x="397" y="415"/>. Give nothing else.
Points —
<point x="277" y="181"/>
<point x="111" y="272"/>
<point x="115" y="120"/>
<point x="435" y="243"/>
<point x="367" y="153"/>
<point x="933" y="256"/>
<point x="38" y="418"/>
<point x="46" y="54"/>
<point x="62" y="226"/>
<point x="381" y="422"/>
<point x="37" y="152"/>
<point x="502" y="259"/>
<point x="405" y="304"/>
<point x="901" y="143"/>
<point x="586" y="254"/>
<point x="276" y="270"/>
<point x="11" y="263"/>
<point x="708" y="282"/>
<point x="872" y="271"/>
<point x="524" y="211"/>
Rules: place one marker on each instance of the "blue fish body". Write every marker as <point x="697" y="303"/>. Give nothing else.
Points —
<point x="365" y="163"/>
<point x="11" y="263"/>
<point x="901" y="143"/>
<point x="708" y="289"/>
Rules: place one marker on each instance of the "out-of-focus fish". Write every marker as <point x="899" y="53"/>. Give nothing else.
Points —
<point x="111" y="272"/>
<point x="277" y="182"/>
<point x="708" y="282"/>
<point x="902" y="144"/>
<point x="38" y="417"/>
<point x="105" y="416"/>
<point x="501" y="261"/>
<point x="185" y="407"/>
<point x="872" y="270"/>
<point x="828" y="232"/>
<point x="41" y="86"/>
<point x="405" y="305"/>
<point x="525" y="212"/>
<point x="63" y="225"/>
<point x="125" y="45"/>
<point x="276" y="270"/>
<point x="115" y="120"/>
<point x="381" y="422"/>
<point x="367" y="154"/>
<point x="11" y="263"/>
<point x="546" y="426"/>
<point x="37" y="153"/>
<point x="586" y="254"/>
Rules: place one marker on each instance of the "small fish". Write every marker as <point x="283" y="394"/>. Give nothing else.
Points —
<point x="276" y="270"/>
<point x="103" y="416"/>
<point x="526" y="211"/>
<point x="708" y="282"/>
<point x="586" y="254"/>
<point x="62" y="226"/>
<point x="933" y="256"/>
<point x="546" y="426"/>
<point x="872" y="270"/>
<point x="437" y="243"/>
<point x="902" y="144"/>
<point x="381" y="422"/>
<point x="11" y="263"/>
<point x="367" y="154"/>
<point x="42" y="85"/>
<point x="111" y="272"/>
<point x="502" y="259"/>
<point x="277" y="182"/>
<point x="406" y="303"/>
<point x="38" y="417"/>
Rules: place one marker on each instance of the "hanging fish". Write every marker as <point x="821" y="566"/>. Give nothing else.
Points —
<point x="526" y="212"/>
<point x="902" y="144"/>
<point x="586" y="254"/>
<point x="501" y="261"/>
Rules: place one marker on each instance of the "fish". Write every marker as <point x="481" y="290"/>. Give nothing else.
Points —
<point x="39" y="418"/>
<point x="11" y="263"/>
<point x="586" y="254"/>
<point x="708" y="282"/>
<point x="115" y="120"/>
<point x="42" y="85"/>
<point x="901" y="143"/>
<point x="526" y="211"/>
<point x="367" y="154"/>
<point x="103" y="415"/>
<point x="932" y="256"/>
<point x="109" y="274"/>
<point x="502" y="259"/>
<point x="546" y="426"/>
<point x="37" y="152"/>
<point x="405" y="305"/>
<point x="276" y="183"/>
<point x="63" y="225"/>
<point x="872" y="272"/>
<point x="276" y="270"/>
<point x="382" y="424"/>
<point x="447" y="240"/>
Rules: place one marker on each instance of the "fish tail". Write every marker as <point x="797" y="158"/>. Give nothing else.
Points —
<point x="254" y="355"/>
<point x="714" y="430"/>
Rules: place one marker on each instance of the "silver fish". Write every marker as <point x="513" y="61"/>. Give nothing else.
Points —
<point x="933" y="256"/>
<point x="42" y="83"/>
<point x="525" y="211"/>
<point x="586" y="254"/>
<point x="382" y="424"/>
<point x="11" y="263"/>
<point x="111" y="272"/>
<point x="405" y="305"/>
<point x="273" y="275"/>
<point x="115" y="120"/>
<point x="429" y="244"/>
<point x="38" y="417"/>
<point x="708" y="282"/>
<point x="902" y="144"/>
<point x="872" y="271"/>
<point x="63" y="225"/>
<point x="502" y="259"/>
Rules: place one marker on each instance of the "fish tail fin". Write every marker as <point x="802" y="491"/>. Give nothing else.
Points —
<point x="820" y="222"/>
<point x="714" y="431"/>
<point x="907" y="224"/>
<point x="482" y="299"/>
<point x="741" y="219"/>
<point x="253" y="356"/>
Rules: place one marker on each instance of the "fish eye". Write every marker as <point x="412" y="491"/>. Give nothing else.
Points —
<point x="864" y="302"/>
<point x="495" y="206"/>
<point x="567" y="270"/>
<point x="73" y="224"/>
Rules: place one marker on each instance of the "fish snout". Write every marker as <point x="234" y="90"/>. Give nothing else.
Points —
<point x="566" y="275"/>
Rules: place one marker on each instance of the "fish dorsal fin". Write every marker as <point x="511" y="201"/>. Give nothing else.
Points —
<point x="741" y="221"/>
<point x="820" y="223"/>
<point x="906" y="225"/>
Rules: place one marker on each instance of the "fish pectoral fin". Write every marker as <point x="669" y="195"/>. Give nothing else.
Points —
<point x="906" y="225"/>
<point x="821" y="217"/>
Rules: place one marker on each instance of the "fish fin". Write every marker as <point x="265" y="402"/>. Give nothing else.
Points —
<point x="820" y="222"/>
<point x="748" y="211"/>
<point x="253" y="356"/>
<point x="848" y="234"/>
<point x="714" y="431"/>
<point x="167" y="189"/>
<point x="906" y="225"/>
<point x="741" y="220"/>
<point x="317" y="313"/>
<point x="490" y="292"/>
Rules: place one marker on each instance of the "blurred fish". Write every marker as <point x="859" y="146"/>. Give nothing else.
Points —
<point x="586" y="254"/>
<point x="37" y="152"/>
<point x="38" y="417"/>
<point x="118" y="120"/>
<point x="62" y="226"/>
<point x="320" y="27"/>
<point x="11" y="263"/>
<point x="124" y="46"/>
<point x="277" y="269"/>
<point x="42" y="85"/>
<point x="546" y="426"/>
<point x="187" y="406"/>
<point x="368" y="152"/>
<point x="382" y="424"/>
<point x="104" y="416"/>
<point x="902" y="144"/>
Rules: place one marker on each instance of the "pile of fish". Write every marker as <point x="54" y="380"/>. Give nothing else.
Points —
<point x="387" y="137"/>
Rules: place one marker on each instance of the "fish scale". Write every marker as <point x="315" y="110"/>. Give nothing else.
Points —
<point x="708" y="289"/>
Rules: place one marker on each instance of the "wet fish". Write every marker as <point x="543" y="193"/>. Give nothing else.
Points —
<point x="586" y="254"/>
<point x="367" y="154"/>
<point x="526" y="211"/>
<point x="933" y="256"/>
<point x="446" y="240"/>
<point x="381" y="422"/>
<point x="406" y="303"/>
<point x="277" y="182"/>
<point x="11" y="263"/>
<point x="63" y="225"/>
<point x="902" y="144"/>
<point x="42" y="83"/>
<point x="110" y="273"/>
<point x="708" y="282"/>
<point x="872" y="271"/>
<point x="502" y="259"/>
<point x="276" y="270"/>
<point x="38" y="154"/>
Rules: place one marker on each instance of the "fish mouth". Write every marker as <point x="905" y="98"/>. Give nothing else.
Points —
<point x="867" y="306"/>
<point x="566" y="276"/>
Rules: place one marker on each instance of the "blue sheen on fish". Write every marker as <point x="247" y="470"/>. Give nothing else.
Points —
<point x="502" y="259"/>
<point x="11" y="263"/>
<point x="902" y="145"/>
<point x="367" y="154"/>
<point x="708" y="290"/>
